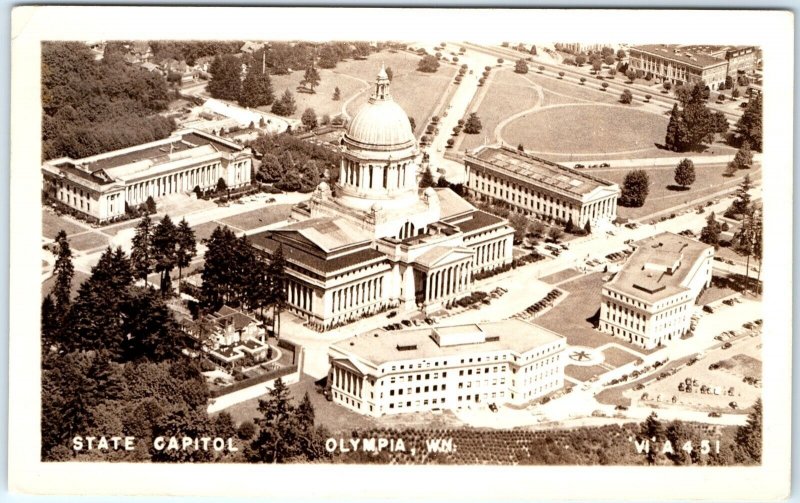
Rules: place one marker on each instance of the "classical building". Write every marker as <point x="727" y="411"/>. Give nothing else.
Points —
<point x="422" y="369"/>
<point x="541" y="188"/>
<point x="681" y="64"/>
<point x="649" y="302"/>
<point x="102" y="185"/>
<point x="375" y="241"/>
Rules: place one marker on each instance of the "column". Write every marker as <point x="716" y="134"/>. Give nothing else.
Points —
<point x="427" y="286"/>
<point x="341" y="173"/>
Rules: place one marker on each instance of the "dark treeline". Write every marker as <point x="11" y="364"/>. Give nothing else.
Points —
<point x="92" y="106"/>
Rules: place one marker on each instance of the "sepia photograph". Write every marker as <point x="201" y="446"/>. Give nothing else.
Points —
<point x="509" y="250"/>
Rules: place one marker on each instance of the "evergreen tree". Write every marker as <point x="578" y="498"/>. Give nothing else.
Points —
<point x="142" y="260"/>
<point x="165" y="244"/>
<point x="749" y="436"/>
<point x="217" y="272"/>
<point x="743" y="158"/>
<point x="652" y="430"/>
<point x="750" y="125"/>
<point x="588" y="227"/>
<point x="697" y="118"/>
<point x="678" y="434"/>
<point x="428" y="64"/>
<point x="684" y="173"/>
<point x="276" y="274"/>
<point x="148" y="326"/>
<point x="741" y="205"/>
<point x="473" y="124"/>
<point x="256" y="88"/>
<point x="221" y="185"/>
<point x="285" y="106"/>
<point x="311" y="78"/>
<point x="521" y="66"/>
<point x="226" y="81"/>
<point x="427" y="179"/>
<point x="278" y="428"/>
<point x="337" y="94"/>
<point x="309" y="118"/>
<point x="635" y="189"/>
<point x="674" y="133"/>
<point x="64" y="271"/>
<point x="570" y="226"/>
<point x="257" y="290"/>
<point x="710" y="233"/>
<point x="50" y="323"/>
<point x="186" y="248"/>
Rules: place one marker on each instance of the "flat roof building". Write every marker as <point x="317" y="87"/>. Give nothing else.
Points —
<point x="680" y="64"/>
<point x="541" y="188"/>
<point x="649" y="302"/>
<point x="450" y="367"/>
<point x="101" y="186"/>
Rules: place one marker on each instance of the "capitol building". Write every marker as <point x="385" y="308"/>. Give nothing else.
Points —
<point x="373" y="240"/>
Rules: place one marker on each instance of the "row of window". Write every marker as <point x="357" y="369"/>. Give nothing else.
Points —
<point x="418" y="389"/>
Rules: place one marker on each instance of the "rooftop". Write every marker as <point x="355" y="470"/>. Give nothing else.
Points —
<point x="538" y="171"/>
<point x="381" y="346"/>
<point x="659" y="267"/>
<point x="691" y="55"/>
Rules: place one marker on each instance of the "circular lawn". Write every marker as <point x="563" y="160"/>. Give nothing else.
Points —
<point x="586" y="129"/>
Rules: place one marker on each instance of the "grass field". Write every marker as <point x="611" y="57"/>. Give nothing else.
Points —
<point x="88" y="241"/>
<point x="584" y="373"/>
<point x="559" y="91"/>
<point x="560" y="276"/>
<point x="52" y="223"/>
<point x="78" y="278"/>
<point x="709" y="180"/>
<point x="573" y="318"/>
<point x="258" y="218"/>
<point x="417" y="92"/>
<point x="586" y="129"/>
<point x="508" y="93"/>
<point x="204" y="230"/>
<point x="713" y="293"/>
<point x="618" y="357"/>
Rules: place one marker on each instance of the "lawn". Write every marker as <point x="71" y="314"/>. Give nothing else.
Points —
<point x="709" y="180"/>
<point x="586" y="129"/>
<point x="88" y="241"/>
<point x="417" y="92"/>
<point x="714" y="293"/>
<point x="508" y="93"/>
<point x="576" y="315"/>
<point x="561" y="91"/>
<point x="584" y="373"/>
<point x="258" y="218"/>
<point x="322" y="100"/>
<point x="78" y="278"/>
<point x="52" y="223"/>
<point x="204" y="230"/>
<point x="560" y="276"/>
<point x="618" y="357"/>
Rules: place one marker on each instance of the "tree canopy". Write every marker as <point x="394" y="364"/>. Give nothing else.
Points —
<point x="750" y="125"/>
<point x="635" y="189"/>
<point x="684" y="173"/>
<point x="226" y="78"/>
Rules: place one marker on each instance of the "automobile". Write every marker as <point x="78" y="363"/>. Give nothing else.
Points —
<point x="733" y="405"/>
<point x="565" y="246"/>
<point x="493" y="407"/>
<point x="579" y="166"/>
<point x="691" y="362"/>
<point x="713" y="366"/>
<point x="727" y="345"/>
<point x="621" y="407"/>
<point x="638" y="387"/>
<point x="605" y="165"/>
<point x="714" y="414"/>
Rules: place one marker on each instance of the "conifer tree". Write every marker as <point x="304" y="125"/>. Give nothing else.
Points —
<point x="256" y="88"/>
<point x="226" y="81"/>
<point x="142" y="261"/>
<point x="684" y="173"/>
<point x="64" y="271"/>
<point x="276" y="273"/>
<point x="311" y="78"/>
<point x="164" y="247"/>
<point x="186" y="248"/>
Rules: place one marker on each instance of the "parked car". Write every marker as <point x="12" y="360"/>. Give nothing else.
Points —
<point x="579" y="166"/>
<point x="733" y="405"/>
<point x="727" y="345"/>
<point x="621" y="407"/>
<point x="714" y="414"/>
<point x="605" y="165"/>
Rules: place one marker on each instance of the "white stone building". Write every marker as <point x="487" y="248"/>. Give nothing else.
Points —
<point x="650" y="300"/>
<point x="423" y="369"/>
<point x="100" y="186"/>
<point x="541" y="188"/>
<point x="375" y="241"/>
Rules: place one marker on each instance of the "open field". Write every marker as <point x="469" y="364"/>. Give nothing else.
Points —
<point x="709" y="180"/>
<point x="586" y="129"/>
<point x="88" y="241"/>
<point x="417" y="92"/>
<point x="204" y="230"/>
<point x="560" y="276"/>
<point x="508" y="93"/>
<point x="559" y="91"/>
<point x="575" y="316"/>
<point x="617" y="357"/>
<point x="713" y="293"/>
<point x="52" y="223"/>
<point x="584" y="373"/>
<point x="258" y="218"/>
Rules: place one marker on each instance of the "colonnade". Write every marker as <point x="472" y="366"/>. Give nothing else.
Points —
<point x="377" y="176"/>
<point x="346" y="381"/>
<point x="448" y="281"/>
<point x="300" y="296"/>
<point x="605" y="208"/>
<point x="186" y="181"/>
<point x="488" y="253"/>
<point x="360" y="294"/>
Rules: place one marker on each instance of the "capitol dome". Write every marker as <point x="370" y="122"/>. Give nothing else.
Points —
<point x="381" y="124"/>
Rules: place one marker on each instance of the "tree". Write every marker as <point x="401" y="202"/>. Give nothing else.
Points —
<point x="631" y="74"/>
<point x="720" y="122"/>
<point x="428" y="64"/>
<point x="580" y="59"/>
<point x="626" y="97"/>
<point x="311" y="78"/>
<point x="609" y="60"/>
<point x="743" y="158"/>
<point x="541" y="68"/>
<point x="758" y="243"/>
<point x="653" y="431"/>
<point x="256" y="88"/>
<point x="588" y="227"/>
<point x="337" y="94"/>
<point x="426" y="180"/>
<point x="676" y="131"/>
<point x="164" y="246"/>
<point x="677" y="434"/>
<point x="218" y="270"/>
<point x="521" y="66"/>
<point x="583" y="81"/>
<point x="142" y="260"/>
<point x="412" y="123"/>
<point x="560" y="75"/>
<point x="285" y="106"/>
<point x="555" y="234"/>
<point x="621" y="54"/>
<point x="745" y="239"/>
<point x="710" y="233"/>
<point x="684" y="173"/>
<point x="309" y="118"/>
<point x="222" y="186"/>
<point x="150" y="204"/>
<point x="226" y="81"/>
<point x="635" y="189"/>
<point x="50" y="323"/>
<point x="697" y="118"/>
<point x="519" y="223"/>
<point x="741" y="204"/>
<point x="597" y="65"/>
<point x="64" y="271"/>
<point x="276" y="272"/>
<point x="521" y="147"/>
<point x="473" y="124"/>
<point x="537" y="228"/>
<point x="389" y="73"/>
<point x="604" y="85"/>
<point x="569" y="227"/>
<point x="749" y="436"/>
<point x="186" y="248"/>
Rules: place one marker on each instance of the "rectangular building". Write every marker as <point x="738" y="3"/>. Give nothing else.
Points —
<point x="423" y="369"/>
<point x="650" y="300"/>
<point x="681" y="64"/>
<point x="102" y="185"/>
<point x="541" y="188"/>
